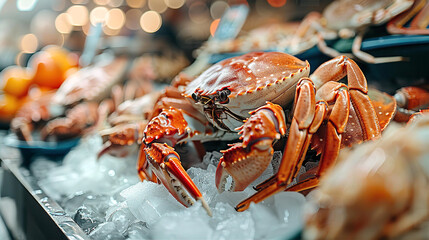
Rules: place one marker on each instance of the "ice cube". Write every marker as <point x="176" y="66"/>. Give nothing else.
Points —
<point x="97" y="202"/>
<point x="82" y="172"/>
<point x="88" y="219"/>
<point x="233" y="198"/>
<point x="229" y="224"/>
<point x="106" y="231"/>
<point x="289" y="206"/>
<point x="183" y="225"/>
<point x="205" y="181"/>
<point x="210" y="158"/>
<point x="138" y="231"/>
<point x="265" y="219"/>
<point x="149" y="201"/>
<point x="122" y="218"/>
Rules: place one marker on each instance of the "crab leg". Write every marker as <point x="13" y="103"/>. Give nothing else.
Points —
<point x="122" y="139"/>
<point x="308" y="117"/>
<point x="418" y="25"/>
<point x="410" y="100"/>
<point x="335" y="70"/>
<point x="356" y="50"/>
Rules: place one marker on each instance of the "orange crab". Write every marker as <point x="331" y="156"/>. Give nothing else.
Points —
<point x="257" y="88"/>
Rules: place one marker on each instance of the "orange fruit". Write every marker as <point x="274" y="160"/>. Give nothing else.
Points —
<point x="62" y="57"/>
<point x="9" y="104"/>
<point x="51" y="64"/>
<point x="16" y="80"/>
<point x="47" y="73"/>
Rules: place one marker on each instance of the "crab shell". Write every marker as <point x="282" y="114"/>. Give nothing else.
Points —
<point x="253" y="79"/>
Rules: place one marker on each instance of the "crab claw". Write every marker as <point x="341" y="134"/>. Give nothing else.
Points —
<point x="164" y="162"/>
<point x="247" y="160"/>
<point x="244" y="166"/>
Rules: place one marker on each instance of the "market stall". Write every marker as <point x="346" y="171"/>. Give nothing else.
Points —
<point x="182" y="119"/>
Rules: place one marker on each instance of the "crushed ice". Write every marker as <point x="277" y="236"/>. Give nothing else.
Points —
<point x="107" y="200"/>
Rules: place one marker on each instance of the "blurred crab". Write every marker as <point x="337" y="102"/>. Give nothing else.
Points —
<point x="74" y="108"/>
<point x="418" y="15"/>
<point x="54" y="124"/>
<point x="346" y="19"/>
<point x="255" y="88"/>
<point x="379" y="190"/>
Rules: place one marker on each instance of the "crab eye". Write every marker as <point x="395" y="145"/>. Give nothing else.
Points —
<point x="223" y="96"/>
<point x="195" y="97"/>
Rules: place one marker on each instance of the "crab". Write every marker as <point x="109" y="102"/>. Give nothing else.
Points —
<point x="419" y="13"/>
<point x="257" y="89"/>
<point x="77" y="107"/>
<point x="379" y="189"/>
<point x="347" y="19"/>
<point x="54" y="125"/>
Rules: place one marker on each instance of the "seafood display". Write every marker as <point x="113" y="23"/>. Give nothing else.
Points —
<point x="379" y="189"/>
<point x="310" y="128"/>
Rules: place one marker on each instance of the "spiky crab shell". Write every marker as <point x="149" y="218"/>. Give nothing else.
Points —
<point x="253" y="79"/>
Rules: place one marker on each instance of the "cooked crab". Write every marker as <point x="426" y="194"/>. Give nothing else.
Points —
<point x="256" y="88"/>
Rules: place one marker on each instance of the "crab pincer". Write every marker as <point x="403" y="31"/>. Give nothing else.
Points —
<point x="158" y="162"/>
<point x="165" y="164"/>
<point x="247" y="160"/>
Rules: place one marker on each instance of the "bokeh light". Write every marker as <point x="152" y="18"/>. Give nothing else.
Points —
<point x="115" y="3"/>
<point x="29" y="43"/>
<point x="78" y="15"/>
<point x="157" y="5"/>
<point x="43" y="26"/>
<point x="132" y="19"/>
<point x="63" y="24"/>
<point x="101" y="2"/>
<point x="98" y="15"/>
<point x="136" y="3"/>
<point x="218" y="8"/>
<point x="174" y="4"/>
<point x="150" y="21"/>
<point x="115" y="18"/>
<point x="198" y="12"/>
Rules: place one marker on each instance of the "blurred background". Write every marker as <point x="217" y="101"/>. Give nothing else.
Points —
<point x="26" y="26"/>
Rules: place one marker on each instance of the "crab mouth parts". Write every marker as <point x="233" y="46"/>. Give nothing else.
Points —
<point x="218" y="114"/>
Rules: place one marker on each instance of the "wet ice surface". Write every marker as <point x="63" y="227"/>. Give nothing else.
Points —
<point x="107" y="200"/>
